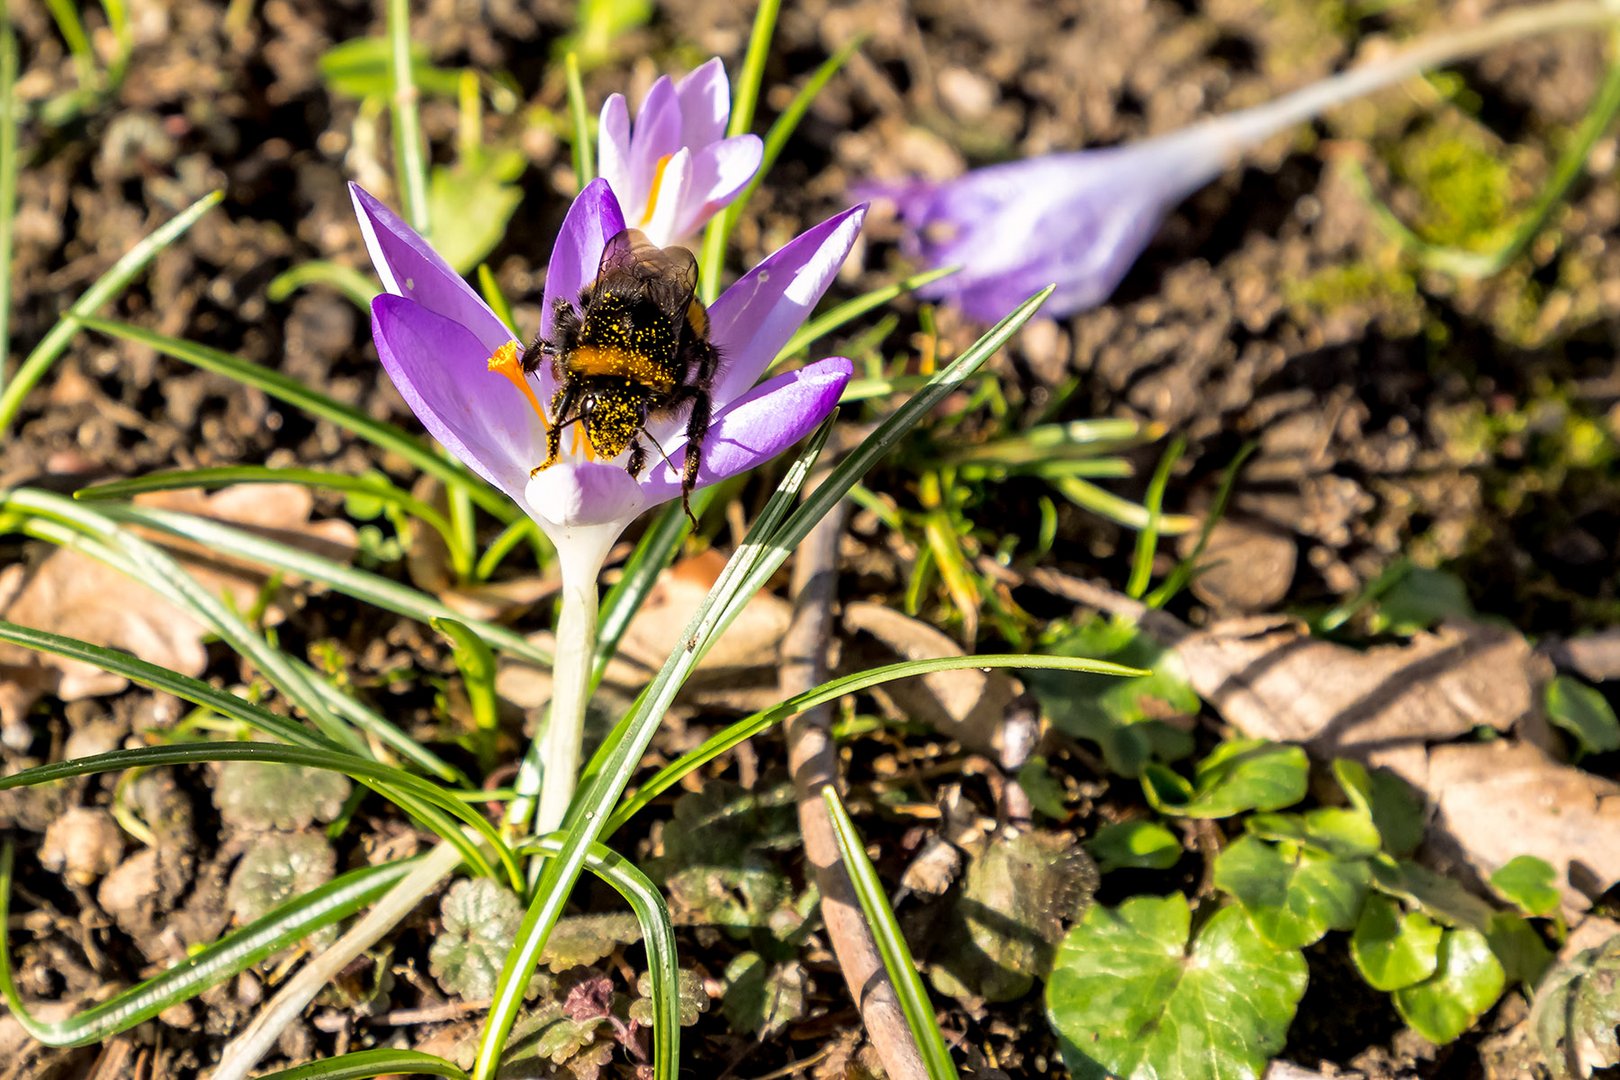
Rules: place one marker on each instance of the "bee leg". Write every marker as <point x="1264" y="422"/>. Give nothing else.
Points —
<point x="562" y="403"/>
<point x="638" y="458"/>
<point x="697" y="429"/>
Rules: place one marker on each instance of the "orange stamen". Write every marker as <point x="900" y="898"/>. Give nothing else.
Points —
<point x="582" y="443"/>
<point x="505" y="362"/>
<point x="652" y="192"/>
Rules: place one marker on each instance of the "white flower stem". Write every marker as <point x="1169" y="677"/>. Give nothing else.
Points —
<point x="249" y="1047"/>
<point x="552" y="763"/>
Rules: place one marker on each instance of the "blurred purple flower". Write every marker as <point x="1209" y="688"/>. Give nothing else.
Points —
<point x="676" y="168"/>
<point x="1079" y="220"/>
<point x="455" y="364"/>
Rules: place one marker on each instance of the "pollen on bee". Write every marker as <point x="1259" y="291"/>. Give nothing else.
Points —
<point x="506" y="361"/>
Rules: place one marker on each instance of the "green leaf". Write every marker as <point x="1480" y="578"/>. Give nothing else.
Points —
<point x="358" y="68"/>
<point x="1392" y="950"/>
<point x="1134" y="995"/>
<point x="1334" y="830"/>
<point x="762" y="998"/>
<point x="480" y="919"/>
<point x="1396" y="809"/>
<point x="277" y="868"/>
<point x="1524" y="955"/>
<point x="1123" y="716"/>
<point x="1585" y="713"/>
<point x="1243" y="774"/>
<point x="364" y="1064"/>
<point x="1143" y="845"/>
<point x="1044" y="789"/>
<point x="1530" y="883"/>
<point x="1576" y="1013"/>
<point x="471" y="202"/>
<point x="1467" y="982"/>
<point x="266" y="795"/>
<point x="1016" y="897"/>
<point x="1292" y="894"/>
<point x="1419" y="600"/>
<point x="1438" y="896"/>
<point x="582" y="940"/>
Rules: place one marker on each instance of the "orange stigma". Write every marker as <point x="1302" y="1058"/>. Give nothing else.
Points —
<point x="505" y="362"/>
<point x="652" y="192"/>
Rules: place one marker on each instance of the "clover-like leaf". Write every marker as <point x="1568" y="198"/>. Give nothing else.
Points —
<point x="1523" y="954"/>
<point x="761" y="997"/>
<point x="1396" y="809"/>
<point x="267" y="795"/>
<point x="578" y="940"/>
<point x="1529" y="883"/>
<point x="1576" y="1013"/>
<point x="1131" y="996"/>
<point x="1016" y="897"/>
<point x="480" y="924"/>
<point x="1292" y="894"/>
<point x="1243" y="774"/>
<point x="1467" y="981"/>
<point x="1392" y="950"/>
<point x="1143" y="845"/>
<point x="692" y="998"/>
<point x="1418" y="600"/>
<point x="1124" y="717"/>
<point x="1331" y="829"/>
<point x="1585" y="713"/>
<point x="277" y="868"/>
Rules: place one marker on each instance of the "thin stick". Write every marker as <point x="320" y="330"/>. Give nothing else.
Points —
<point x="813" y="760"/>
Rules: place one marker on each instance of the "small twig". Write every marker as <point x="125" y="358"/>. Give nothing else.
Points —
<point x="813" y="760"/>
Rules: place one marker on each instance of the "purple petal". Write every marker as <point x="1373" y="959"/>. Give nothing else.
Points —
<point x="753" y="319"/>
<point x="592" y="220"/>
<point x="705" y="99"/>
<point x="657" y="132"/>
<point x="757" y="427"/>
<point x="719" y="173"/>
<point x="576" y="494"/>
<point x="442" y="372"/>
<point x="409" y="267"/>
<point x="613" y="143"/>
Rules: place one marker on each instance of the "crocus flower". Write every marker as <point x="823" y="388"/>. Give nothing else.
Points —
<point x="456" y="365"/>
<point x="1079" y="220"/>
<point x="675" y="168"/>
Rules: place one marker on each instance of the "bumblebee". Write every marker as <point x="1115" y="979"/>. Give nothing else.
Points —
<point x="636" y="348"/>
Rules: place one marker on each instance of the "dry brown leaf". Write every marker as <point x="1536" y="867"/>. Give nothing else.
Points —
<point x="1497" y="800"/>
<point x="968" y="705"/>
<point x="72" y="594"/>
<point x="1270" y="679"/>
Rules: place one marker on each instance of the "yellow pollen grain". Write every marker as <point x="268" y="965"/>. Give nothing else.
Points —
<point x="505" y="362"/>
<point x="652" y="192"/>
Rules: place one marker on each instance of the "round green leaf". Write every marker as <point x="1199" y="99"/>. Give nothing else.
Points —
<point x="1292" y="897"/>
<point x="1523" y="954"/>
<point x="1392" y="950"/>
<point x="1396" y="810"/>
<point x="1468" y="981"/>
<point x="1143" y="845"/>
<point x="1585" y="713"/>
<point x="1131" y="997"/>
<point x="1332" y="829"/>
<point x="1244" y="774"/>
<point x="1530" y="883"/>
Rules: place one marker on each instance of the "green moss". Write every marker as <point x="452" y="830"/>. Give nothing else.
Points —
<point x="1463" y="184"/>
<point x="1352" y="285"/>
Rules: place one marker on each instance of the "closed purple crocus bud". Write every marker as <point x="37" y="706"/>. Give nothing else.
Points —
<point x="675" y="167"/>
<point x="1079" y="220"/>
<point x="456" y="365"/>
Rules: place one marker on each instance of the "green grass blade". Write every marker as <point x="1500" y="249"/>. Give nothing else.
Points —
<point x="1147" y="541"/>
<point x="652" y="554"/>
<point x="103" y="289"/>
<point x="580" y="116"/>
<point x="236" y="951"/>
<point x="657" y="935"/>
<point x="1121" y="511"/>
<point x="71" y="27"/>
<point x="410" y="171"/>
<point x="10" y="121"/>
<point x="359" y="287"/>
<point x="361" y="584"/>
<point x="767" y="546"/>
<point x="745" y="97"/>
<point x="1184" y="570"/>
<point x="380" y="434"/>
<point x="419" y="796"/>
<point x="363" y="1064"/>
<point x="495" y="298"/>
<point x="852" y="309"/>
<point x="832" y="690"/>
<point x="229" y="475"/>
<point x="891" y="944"/>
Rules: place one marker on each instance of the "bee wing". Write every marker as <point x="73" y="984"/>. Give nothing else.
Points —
<point x="669" y="275"/>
